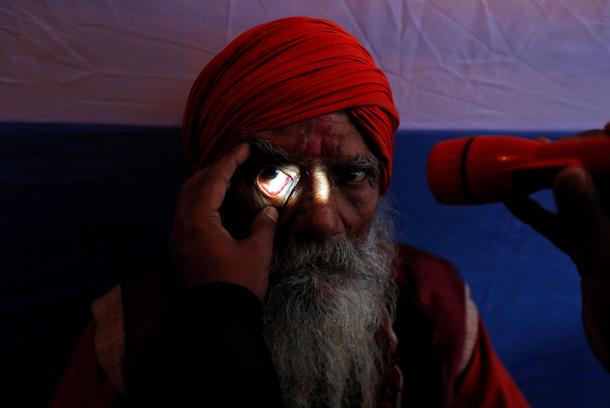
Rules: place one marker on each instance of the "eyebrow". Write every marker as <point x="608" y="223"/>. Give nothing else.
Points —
<point x="358" y="160"/>
<point x="365" y="161"/>
<point x="269" y="151"/>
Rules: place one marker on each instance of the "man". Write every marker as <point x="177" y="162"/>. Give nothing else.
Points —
<point x="286" y="286"/>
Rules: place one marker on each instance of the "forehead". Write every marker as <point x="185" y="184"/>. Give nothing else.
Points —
<point x="329" y="137"/>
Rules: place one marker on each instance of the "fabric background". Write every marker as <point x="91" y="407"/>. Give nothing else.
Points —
<point x="472" y="64"/>
<point x="85" y="198"/>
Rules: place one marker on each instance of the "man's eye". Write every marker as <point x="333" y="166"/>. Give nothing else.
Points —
<point x="277" y="181"/>
<point x="353" y="175"/>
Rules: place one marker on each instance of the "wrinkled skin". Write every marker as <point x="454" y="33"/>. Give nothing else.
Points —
<point x="202" y="249"/>
<point x="581" y="229"/>
<point x="205" y="251"/>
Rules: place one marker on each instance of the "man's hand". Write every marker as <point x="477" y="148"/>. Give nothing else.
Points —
<point x="581" y="229"/>
<point x="203" y="250"/>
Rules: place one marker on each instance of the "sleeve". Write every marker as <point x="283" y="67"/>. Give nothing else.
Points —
<point x="209" y="351"/>
<point x="596" y="318"/>
<point x="449" y="359"/>
<point x="485" y="382"/>
<point x="84" y="383"/>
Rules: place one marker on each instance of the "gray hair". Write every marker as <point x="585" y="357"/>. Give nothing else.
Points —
<point x="327" y="304"/>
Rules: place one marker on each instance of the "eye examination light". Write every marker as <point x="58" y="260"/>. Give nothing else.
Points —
<point x="486" y="169"/>
<point x="321" y="185"/>
<point x="276" y="183"/>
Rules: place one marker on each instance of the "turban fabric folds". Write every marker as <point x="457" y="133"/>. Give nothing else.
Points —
<point x="283" y="72"/>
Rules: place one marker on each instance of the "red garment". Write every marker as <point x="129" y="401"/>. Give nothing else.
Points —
<point x="284" y="72"/>
<point x="84" y="383"/>
<point x="430" y="326"/>
<point x="486" y="372"/>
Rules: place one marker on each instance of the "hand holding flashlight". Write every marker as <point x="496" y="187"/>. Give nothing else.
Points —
<point x="581" y="229"/>
<point x="203" y="249"/>
<point x="490" y="169"/>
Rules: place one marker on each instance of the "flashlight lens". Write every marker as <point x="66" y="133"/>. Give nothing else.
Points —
<point x="277" y="181"/>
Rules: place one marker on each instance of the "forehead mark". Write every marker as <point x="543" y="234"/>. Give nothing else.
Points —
<point x="320" y="140"/>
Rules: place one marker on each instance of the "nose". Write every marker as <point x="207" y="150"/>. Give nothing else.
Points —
<point x="317" y="214"/>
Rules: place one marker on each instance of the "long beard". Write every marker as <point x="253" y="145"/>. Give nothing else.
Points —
<point x="327" y="314"/>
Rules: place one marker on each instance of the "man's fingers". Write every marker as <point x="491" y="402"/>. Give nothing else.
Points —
<point x="580" y="215"/>
<point x="262" y="230"/>
<point x="210" y="192"/>
<point x="186" y="193"/>
<point x="573" y="189"/>
<point x="533" y="214"/>
<point x="579" y="203"/>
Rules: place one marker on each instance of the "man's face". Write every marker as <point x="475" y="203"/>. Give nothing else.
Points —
<point x="329" y="288"/>
<point x="335" y="190"/>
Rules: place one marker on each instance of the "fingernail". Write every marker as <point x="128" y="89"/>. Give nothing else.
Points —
<point x="580" y="174"/>
<point x="271" y="213"/>
<point x="580" y="183"/>
<point x="238" y="146"/>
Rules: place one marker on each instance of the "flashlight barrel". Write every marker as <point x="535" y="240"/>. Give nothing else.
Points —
<point x="485" y="169"/>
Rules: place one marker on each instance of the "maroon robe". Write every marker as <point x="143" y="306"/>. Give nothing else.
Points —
<point x="443" y="349"/>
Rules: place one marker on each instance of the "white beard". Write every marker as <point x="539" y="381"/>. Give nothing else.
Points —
<point x="326" y="307"/>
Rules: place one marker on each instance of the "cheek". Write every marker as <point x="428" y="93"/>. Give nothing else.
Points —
<point x="357" y="208"/>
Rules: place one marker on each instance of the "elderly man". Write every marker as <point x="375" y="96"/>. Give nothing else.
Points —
<point x="284" y="286"/>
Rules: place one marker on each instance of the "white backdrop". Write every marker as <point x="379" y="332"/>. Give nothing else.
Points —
<point x="470" y="64"/>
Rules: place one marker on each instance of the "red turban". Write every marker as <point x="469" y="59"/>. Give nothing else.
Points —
<point x="283" y="72"/>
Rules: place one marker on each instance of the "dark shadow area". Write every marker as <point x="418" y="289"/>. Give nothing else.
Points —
<point x="80" y="206"/>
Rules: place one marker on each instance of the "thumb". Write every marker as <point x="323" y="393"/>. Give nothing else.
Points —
<point x="262" y="229"/>
<point x="575" y="195"/>
<point x="581" y="209"/>
<point x="260" y="243"/>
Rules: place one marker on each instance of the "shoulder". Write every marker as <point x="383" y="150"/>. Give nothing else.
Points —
<point x="436" y="320"/>
<point x="94" y="376"/>
<point x="433" y="280"/>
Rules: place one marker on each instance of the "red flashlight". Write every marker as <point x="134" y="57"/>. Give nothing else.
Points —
<point x="486" y="169"/>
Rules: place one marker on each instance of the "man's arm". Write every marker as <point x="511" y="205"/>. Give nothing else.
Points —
<point x="485" y="382"/>
<point x="209" y="349"/>
<point x="208" y="352"/>
<point x="581" y="229"/>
